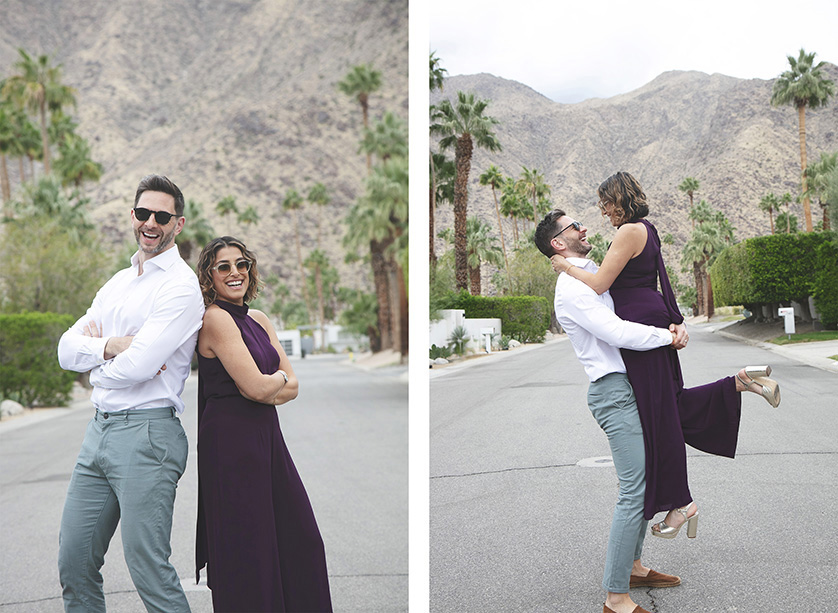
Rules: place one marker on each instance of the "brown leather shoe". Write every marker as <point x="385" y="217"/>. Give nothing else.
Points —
<point x="654" y="579"/>
<point x="637" y="609"/>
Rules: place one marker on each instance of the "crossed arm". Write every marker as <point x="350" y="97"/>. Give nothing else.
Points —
<point x="221" y="338"/>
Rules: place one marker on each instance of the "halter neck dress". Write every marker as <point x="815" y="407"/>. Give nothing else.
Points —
<point x="705" y="417"/>
<point x="256" y="533"/>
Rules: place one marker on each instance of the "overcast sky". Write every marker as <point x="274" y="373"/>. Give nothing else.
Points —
<point x="571" y="51"/>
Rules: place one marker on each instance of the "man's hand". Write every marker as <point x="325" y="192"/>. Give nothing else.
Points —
<point x="559" y="263"/>
<point x="680" y="338"/>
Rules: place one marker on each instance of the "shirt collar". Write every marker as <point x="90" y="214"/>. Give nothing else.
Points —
<point x="163" y="261"/>
<point x="583" y="263"/>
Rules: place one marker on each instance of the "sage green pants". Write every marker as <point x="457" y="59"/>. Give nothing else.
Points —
<point x="128" y="469"/>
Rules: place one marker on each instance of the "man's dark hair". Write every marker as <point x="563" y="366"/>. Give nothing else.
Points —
<point x="159" y="183"/>
<point x="547" y="227"/>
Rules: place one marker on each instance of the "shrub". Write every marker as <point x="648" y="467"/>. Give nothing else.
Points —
<point x="525" y="318"/>
<point x="440" y="352"/>
<point x="778" y="268"/>
<point x="825" y="286"/>
<point x="29" y="370"/>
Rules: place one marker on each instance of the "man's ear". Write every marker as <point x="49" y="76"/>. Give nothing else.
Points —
<point x="559" y="246"/>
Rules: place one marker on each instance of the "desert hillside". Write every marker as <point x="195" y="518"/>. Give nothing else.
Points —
<point x="225" y="97"/>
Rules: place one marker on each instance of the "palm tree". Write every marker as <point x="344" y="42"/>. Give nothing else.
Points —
<point x="437" y="73"/>
<point x="7" y="140"/>
<point x="532" y="183"/>
<point x="38" y="88"/>
<point x="317" y="261"/>
<point x="248" y="217"/>
<point x="442" y="177"/>
<point x="495" y="179"/>
<point x="785" y="201"/>
<point x="359" y="83"/>
<point x="318" y="195"/>
<point x="801" y="86"/>
<point x="197" y="231"/>
<point x="513" y="204"/>
<point x="461" y="126"/>
<point x="482" y="248"/>
<point x="769" y="204"/>
<point x="818" y="175"/>
<point x="293" y="202"/>
<point x="74" y="164"/>
<point x="689" y="186"/>
<point x="386" y="138"/>
<point x="227" y="206"/>
<point x="700" y="250"/>
<point x="379" y="219"/>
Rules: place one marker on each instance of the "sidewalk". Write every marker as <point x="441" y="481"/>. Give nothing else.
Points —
<point x="815" y="353"/>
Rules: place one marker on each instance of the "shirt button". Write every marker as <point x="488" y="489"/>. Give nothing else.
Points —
<point x="106" y="416"/>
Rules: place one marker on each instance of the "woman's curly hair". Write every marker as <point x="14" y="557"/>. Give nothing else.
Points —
<point x="625" y="193"/>
<point x="207" y="259"/>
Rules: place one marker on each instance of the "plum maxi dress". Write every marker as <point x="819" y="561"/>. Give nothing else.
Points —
<point x="256" y="532"/>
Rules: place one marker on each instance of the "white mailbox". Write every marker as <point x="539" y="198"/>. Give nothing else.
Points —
<point x="787" y="313"/>
<point x="487" y="334"/>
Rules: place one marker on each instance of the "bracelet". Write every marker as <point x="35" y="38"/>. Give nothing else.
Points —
<point x="284" y="374"/>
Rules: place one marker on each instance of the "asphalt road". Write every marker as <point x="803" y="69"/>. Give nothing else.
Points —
<point x="517" y="524"/>
<point x="347" y="433"/>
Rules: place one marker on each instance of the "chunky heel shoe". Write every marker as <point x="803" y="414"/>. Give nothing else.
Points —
<point x="768" y="388"/>
<point x="668" y="532"/>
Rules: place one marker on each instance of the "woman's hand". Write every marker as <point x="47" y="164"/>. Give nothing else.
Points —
<point x="559" y="263"/>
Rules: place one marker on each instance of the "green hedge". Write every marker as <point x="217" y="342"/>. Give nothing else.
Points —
<point x="825" y="286"/>
<point x="29" y="370"/>
<point x="778" y="268"/>
<point x="525" y="318"/>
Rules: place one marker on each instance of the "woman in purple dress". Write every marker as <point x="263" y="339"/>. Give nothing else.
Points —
<point x="257" y="534"/>
<point x="705" y="417"/>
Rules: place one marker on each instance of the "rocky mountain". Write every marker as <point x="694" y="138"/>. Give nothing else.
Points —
<point x="719" y="129"/>
<point x="226" y="97"/>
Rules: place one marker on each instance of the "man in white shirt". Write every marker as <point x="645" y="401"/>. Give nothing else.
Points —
<point x="137" y="341"/>
<point x="597" y="335"/>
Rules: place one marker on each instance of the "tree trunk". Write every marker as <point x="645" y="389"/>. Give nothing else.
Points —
<point x="4" y="181"/>
<point x="395" y="303"/>
<point x="771" y="218"/>
<point x="20" y="167"/>
<point x="462" y="157"/>
<point x="801" y="120"/>
<point x="403" y="312"/>
<point x="825" y="209"/>
<point x="708" y="294"/>
<point x="44" y="137"/>
<point x="379" y="275"/>
<point x="365" y="109"/>
<point x="699" y="287"/>
<point x="318" y="276"/>
<point x="431" y="212"/>
<point x="500" y="229"/>
<point x="303" y="287"/>
<point x="474" y="279"/>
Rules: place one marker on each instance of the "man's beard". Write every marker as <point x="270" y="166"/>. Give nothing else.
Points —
<point x="577" y="246"/>
<point x="165" y="241"/>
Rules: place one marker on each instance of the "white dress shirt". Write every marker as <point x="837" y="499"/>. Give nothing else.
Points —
<point x="595" y="331"/>
<point x="163" y="309"/>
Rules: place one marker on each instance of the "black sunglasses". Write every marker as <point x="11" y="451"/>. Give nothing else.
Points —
<point x="575" y="225"/>
<point x="225" y="268"/>
<point x="161" y="217"/>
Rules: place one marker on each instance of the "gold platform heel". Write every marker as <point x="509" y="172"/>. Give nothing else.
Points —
<point x="664" y="531"/>
<point x="770" y="389"/>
